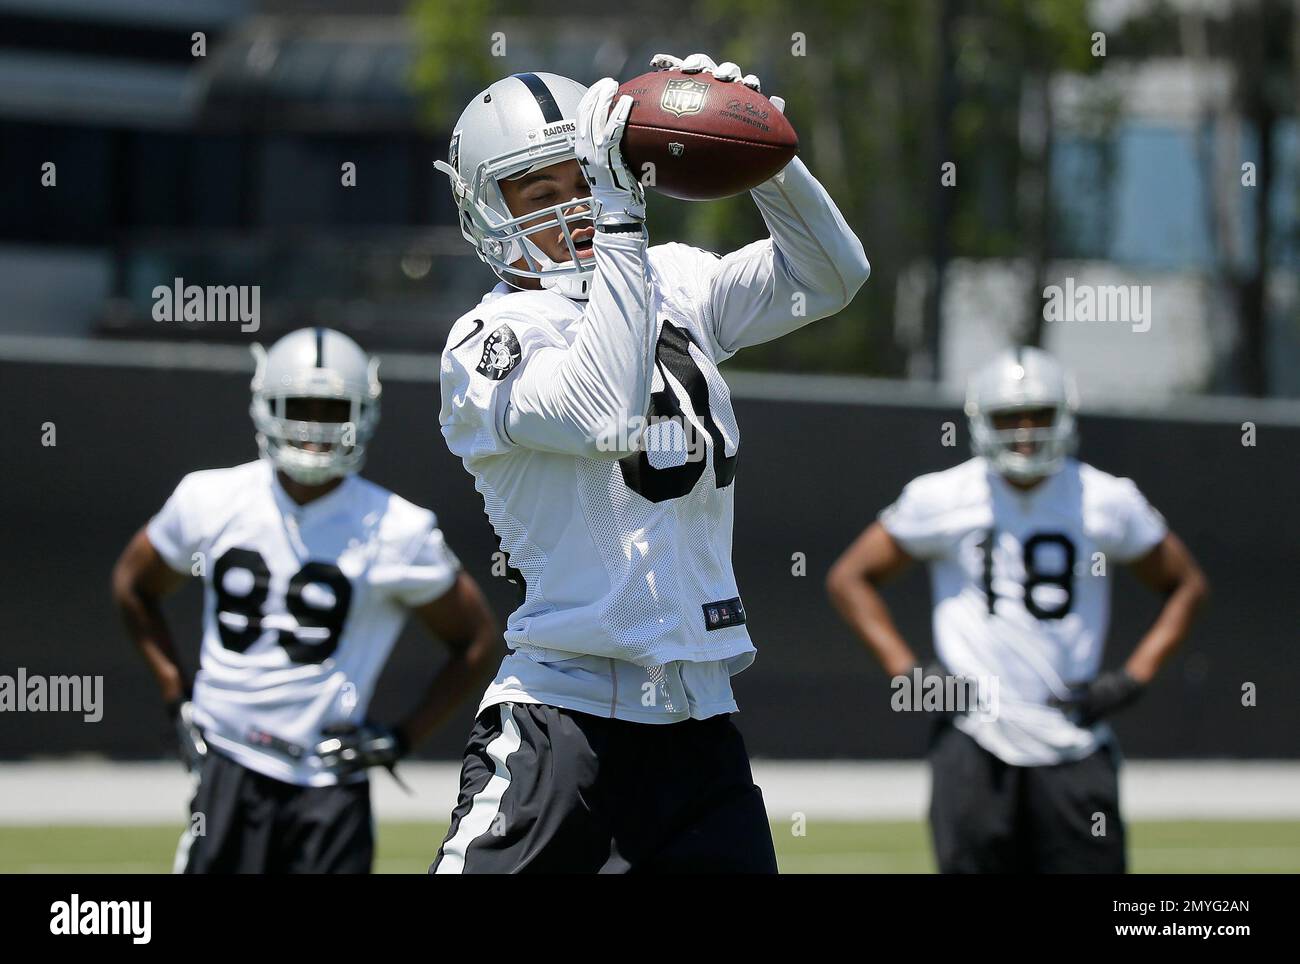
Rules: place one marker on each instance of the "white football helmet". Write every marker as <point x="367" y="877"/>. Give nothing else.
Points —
<point x="518" y="125"/>
<point x="314" y="363"/>
<point x="1017" y="380"/>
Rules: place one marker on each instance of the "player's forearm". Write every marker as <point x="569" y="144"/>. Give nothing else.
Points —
<point x="459" y="678"/>
<point x="1170" y="627"/>
<point x="583" y="400"/>
<point x="816" y="248"/>
<point x="863" y="608"/>
<point x="148" y="629"/>
<point x="811" y="268"/>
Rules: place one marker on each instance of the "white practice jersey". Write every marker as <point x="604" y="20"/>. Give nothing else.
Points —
<point x="302" y="605"/>
<point x="1022" y="584"/>
<point x="627" y="558"/>
<point x="621" y="541"/>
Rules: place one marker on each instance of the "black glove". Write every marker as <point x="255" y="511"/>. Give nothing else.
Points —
<point x="1106" y="694"/>
<point x="348" y="747"/>
<point x="933" y="668"/>
<point x="189" y="735"/>
<point x="936" y="668"/>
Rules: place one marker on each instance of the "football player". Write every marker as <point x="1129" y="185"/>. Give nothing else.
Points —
<point x="1022" y="541"/>
<point x="583" y="394"/>
<point x="309" y="574"/>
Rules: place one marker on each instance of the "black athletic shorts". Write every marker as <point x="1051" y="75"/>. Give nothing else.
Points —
<point x="548" y="790"/>
<point x="253" y="824"/>
<point x="990" y="817"/>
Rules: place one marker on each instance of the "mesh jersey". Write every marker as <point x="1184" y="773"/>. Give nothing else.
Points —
<point x="623" y="558"/>
<point x="1021" y="584"/>
<point x="302" y="604"/>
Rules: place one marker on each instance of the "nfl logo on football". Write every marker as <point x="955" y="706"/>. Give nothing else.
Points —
<point x="683" y="97"/>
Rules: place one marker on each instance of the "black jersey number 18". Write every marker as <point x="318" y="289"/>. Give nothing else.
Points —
<point x="1033" y="575"/>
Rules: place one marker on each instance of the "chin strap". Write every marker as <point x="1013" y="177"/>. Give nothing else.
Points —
<point x="576" y="286"/>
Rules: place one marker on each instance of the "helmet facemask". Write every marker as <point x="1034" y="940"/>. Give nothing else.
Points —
<point x="1016" y="382"/>
<point x="309" y="451"/>
<point x="1049" y="445"/>
<point x="501" y="239"/>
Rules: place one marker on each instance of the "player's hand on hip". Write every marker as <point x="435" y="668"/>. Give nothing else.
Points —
<point x="617" y="196"/>
<point x="935" y="674"/>
<point x="1108" y="693"/>
<point x="346" y="748"/>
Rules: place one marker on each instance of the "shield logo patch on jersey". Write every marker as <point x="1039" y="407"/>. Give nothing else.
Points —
<point x="501" y="354"/>
<point x="682" y="97"/>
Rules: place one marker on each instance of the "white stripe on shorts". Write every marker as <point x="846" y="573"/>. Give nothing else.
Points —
<point x="487" y="802"/>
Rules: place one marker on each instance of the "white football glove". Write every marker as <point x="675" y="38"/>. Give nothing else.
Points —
<point x="726" y="72"/>
<point x="189" y="735"/>
<point x="617" y="197"/>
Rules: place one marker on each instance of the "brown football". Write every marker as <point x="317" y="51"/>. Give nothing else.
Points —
<point x="706" y="139"/>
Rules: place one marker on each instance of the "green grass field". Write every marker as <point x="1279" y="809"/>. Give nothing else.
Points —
<point x="828" y="847"/>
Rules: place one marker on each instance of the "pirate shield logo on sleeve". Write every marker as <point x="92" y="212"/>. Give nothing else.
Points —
<point x="501" y="354"/>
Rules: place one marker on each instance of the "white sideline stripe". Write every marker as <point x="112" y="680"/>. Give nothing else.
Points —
<point x="487" y="802"/>
<point x="111" y="353"/>
<point x="902" y="393"/>
<point x="91" y="791"/>
<point x="183" y="850"/>
<point x="186" y="843"/>
<point x="759" y="386"/>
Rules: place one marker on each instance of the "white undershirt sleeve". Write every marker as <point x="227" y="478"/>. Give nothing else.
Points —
<point x="810" y="267"/>
<point x="587" y="399"/>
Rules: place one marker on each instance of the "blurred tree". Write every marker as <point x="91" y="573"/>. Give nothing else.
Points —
<point x="894" y="91"/>
<point x="1257" y="39"/>
<point x="852" y="75"/>
<point x="454" y="59"/>
<point x="1051" y="39"/>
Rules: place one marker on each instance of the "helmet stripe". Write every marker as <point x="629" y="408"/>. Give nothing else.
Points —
<point x="320" y="347"/>
<point x="542" y="94"/>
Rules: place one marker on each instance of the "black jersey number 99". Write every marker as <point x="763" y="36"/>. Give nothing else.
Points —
<point x="673" y="356"/>
<point x="1034" y="576"/>
<point x="249" y="605"/>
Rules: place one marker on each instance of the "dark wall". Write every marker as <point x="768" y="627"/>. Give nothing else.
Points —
<point x="810" y="477"/>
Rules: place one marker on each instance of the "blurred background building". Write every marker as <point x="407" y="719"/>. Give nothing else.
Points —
<point x="1099" y="141"/>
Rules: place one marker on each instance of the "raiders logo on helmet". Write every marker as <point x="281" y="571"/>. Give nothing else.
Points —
<point x="501" y="354"/>
<point x="453" y="153"/>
